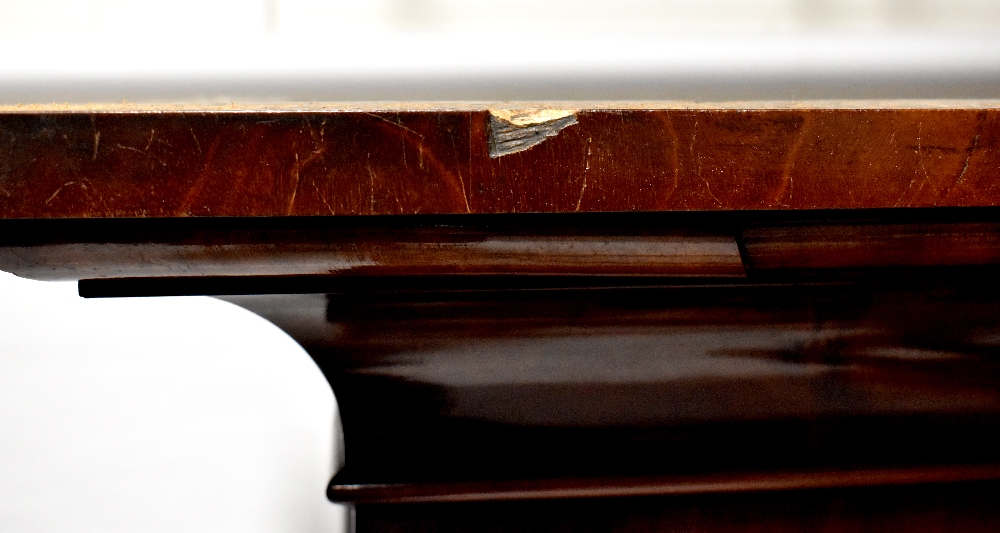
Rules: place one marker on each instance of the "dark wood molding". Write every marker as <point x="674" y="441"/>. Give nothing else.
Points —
<point x="632" y="487"/>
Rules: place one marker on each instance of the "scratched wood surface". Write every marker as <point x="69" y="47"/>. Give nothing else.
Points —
<point x="179" y="162"/>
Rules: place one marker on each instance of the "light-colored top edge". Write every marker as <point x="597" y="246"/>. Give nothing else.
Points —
<point x="393" y="107"/>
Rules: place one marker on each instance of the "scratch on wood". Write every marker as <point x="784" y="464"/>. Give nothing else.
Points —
<point x="312" y="131"/>
<point x="965" y="167"/>
<point x="920" y="163"/>
<point x="920" y="154"/>
<point x="513" y="131"/>
<point x="412" y="138"/>
<point x="397" y="124"/>
<point x="295" y="186"/>
<point x="152" y="133"/>
<point x="312" y="156"/>
<point x="675" y="144"/>
<point x="138" y="151"/>
<point x="697" y="158"/>
<point x="189" y="197"/>
<point x="371" y="185"/>
<point x="195" y="137"/>
<point x="694" y="136"/>
<point x="398" y="203"/>
<point x="710" y="193"/>
<point x="53" y="197"/>
<point x="97" y="136"/>
<point x="323" y="198"/>
<point x="586" y="167"/>
<point x="697" y="163"/>
<point x="129" y="148"/>
<point x="787" y="181"/>
<point x="461" y="180"/>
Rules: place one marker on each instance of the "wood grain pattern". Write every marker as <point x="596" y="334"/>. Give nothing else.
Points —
<point x="107" y="163"/>
<point x="837" y="245"/>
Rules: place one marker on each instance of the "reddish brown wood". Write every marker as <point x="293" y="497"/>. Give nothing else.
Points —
<point x="370" y="251"/>
<point x="547" y="489"/>
<point x="680" y="256"/>
<point x="688" y="244"/>
<point x="156" y="163"/>
<point x="859" y="245"/>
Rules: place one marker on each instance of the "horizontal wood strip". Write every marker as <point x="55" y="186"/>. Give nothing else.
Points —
<point x="630" y="487"/>
<point x="366" y="160"/>
<point x="685" y="256"/>
<point x="700" y="245"/>
<point x="872" y="245"/>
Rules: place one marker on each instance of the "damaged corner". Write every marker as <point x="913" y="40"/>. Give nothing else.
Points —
<point x="513" y="131"/>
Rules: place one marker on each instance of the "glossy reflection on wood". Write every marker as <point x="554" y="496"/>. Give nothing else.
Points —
<point x="200" y="255"/>
<point x="400" y="160"/>
<point x="487" y="395"/>
<point x="651" y="486"/>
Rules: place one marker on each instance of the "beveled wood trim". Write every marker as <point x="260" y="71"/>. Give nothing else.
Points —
<point x="655" y="486"/>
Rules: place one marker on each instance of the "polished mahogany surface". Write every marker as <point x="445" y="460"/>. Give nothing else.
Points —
<point x="230" y="255"/>
<point x="658" y="386"/>
<point x="498" y="158"/>
<point x="375" y="246"/>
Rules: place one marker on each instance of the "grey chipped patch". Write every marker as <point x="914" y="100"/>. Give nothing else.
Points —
<point x="516" y="131"/>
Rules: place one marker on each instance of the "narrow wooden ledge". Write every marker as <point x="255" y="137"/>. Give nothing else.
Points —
<point x="650" y="486"/>
<point x="368" y="159"/>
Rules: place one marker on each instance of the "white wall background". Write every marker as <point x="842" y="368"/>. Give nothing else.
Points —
<point x="252" y="50"/>
<point x="157" y="415"/>
<point x="327" y="17"/>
